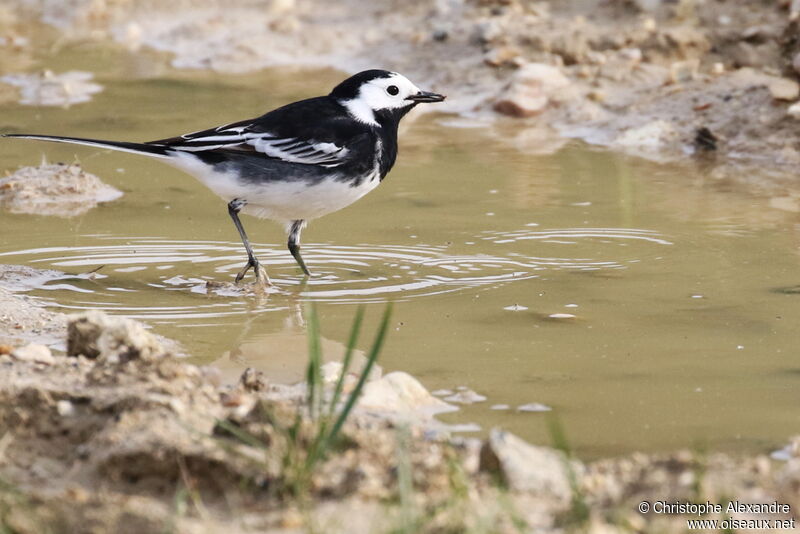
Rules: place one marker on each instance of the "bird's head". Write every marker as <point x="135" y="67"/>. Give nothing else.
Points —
<point x="380" y="92"/>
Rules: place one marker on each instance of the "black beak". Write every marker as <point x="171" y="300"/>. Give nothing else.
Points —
<point x="426" y="96"/>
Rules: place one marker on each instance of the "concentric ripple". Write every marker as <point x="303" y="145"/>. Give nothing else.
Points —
<point x="135" y="276"/>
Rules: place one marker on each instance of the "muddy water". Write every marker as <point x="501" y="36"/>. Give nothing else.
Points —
<point x="648" y="305"/>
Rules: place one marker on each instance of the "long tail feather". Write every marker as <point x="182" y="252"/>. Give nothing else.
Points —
<point x="158" y="151"/>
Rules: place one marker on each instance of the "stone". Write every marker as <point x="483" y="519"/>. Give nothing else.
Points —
<point x="779" y="88"/>
<point x="794" y="110"/>
<point x="784" y="89"/>
<point x="528" y="468"/>
<point x="400" y="395"/>
<point x="54" y="189"/>
<point x="648" y="137"/>
<point x="97" y="335"/>
<point x="50" y="89"/>
<point x="65" y="408"/>
<point x="684" y="71"/>
<point x="466" y="396"/>
<point x="34" y="353"/>
<point x="534" y="407"/>
<point x="531" y="89"/>
<point x="253" y="380"/>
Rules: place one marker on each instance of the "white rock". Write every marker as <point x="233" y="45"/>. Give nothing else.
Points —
<point x="50" y="89"/>
<point x="34" y="353"/>
<point x="794" y="110"/>
<point x="529" y="468"/>
<point x="531" y="89"/>
<point x="399" y="394"/>
<point x="65" y="408"/>
<point x="649" y="137"/>
<point x="783" y="89"/>
<point x="534" y="407"/>
<point x="779" y="88"/>
<point x="465" y="397"/>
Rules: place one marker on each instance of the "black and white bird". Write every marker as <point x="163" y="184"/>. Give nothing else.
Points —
<point x="295" y="163"/>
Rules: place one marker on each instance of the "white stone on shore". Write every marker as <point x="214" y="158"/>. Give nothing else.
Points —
<point x="400" y="395"/>
<point x="649" y="137"/>
<point x="794" y="110"/>
<point x="531" y="89"/>
<point x="50" y="89"/>
<point x="779" y="88"/>
<point x="34" y="353"/>
<point x="526" y="467"/>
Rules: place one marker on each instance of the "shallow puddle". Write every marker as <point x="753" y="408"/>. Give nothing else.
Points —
<point x="648" y="306"/>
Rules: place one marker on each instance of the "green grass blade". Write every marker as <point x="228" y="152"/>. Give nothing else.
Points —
<point x="348" y="356"/>
<point x="314" y="369"/>
<point x="377" y="345"/>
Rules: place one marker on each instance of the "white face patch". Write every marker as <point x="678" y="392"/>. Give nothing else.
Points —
<point x="381" y="93"/>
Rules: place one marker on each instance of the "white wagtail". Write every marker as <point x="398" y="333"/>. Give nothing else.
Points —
<point x="295" y="163"/>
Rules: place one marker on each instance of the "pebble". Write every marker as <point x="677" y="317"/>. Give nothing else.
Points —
<point x="561" y="316"/>
<point x="50" y="89"/>
<point x="794" y="110"/>
<point x="534" y="407"/>
<point x="34" y="353"/>
<point x="65" y="408"/>
<point x="399" y="394"/>
<point x="526" y="467"/>
<point x="530" y="90"/>
<point x="465" y="397"/>
<point x="784" y="89"/>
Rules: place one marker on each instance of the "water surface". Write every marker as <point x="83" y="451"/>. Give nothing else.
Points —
<point x="649" y="305"/>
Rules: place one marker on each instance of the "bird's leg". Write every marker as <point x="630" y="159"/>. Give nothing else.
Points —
<point x="294" y="244"/>
<point x="234" y="207"/>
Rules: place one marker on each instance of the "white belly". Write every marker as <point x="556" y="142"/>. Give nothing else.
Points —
<point x="282" y="201"/>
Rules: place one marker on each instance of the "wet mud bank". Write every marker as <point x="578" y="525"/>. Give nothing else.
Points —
<point x="119" y="435"/>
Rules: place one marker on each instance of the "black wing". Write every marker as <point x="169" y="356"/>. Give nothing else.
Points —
<point x="317" y="131"/>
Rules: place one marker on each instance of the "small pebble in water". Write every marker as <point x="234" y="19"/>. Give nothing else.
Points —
<point x="465" y="397"/>
<point x="561" y="316"/>
<point x="515" y="307"/>
<point x="782" y="455"/>
<point x="739" y="347"/>
<point x="698" y="297"/>
<point x="534" y="407"/>
<point x="442" y="392"/>
<point x="570" y="305"/>
<point x="499" y="407"/>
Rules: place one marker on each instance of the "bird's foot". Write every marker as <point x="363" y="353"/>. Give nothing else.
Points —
<point x="262" y="279"/>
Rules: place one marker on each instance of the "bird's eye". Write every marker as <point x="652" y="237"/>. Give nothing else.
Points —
<point x="392" y="90"/>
